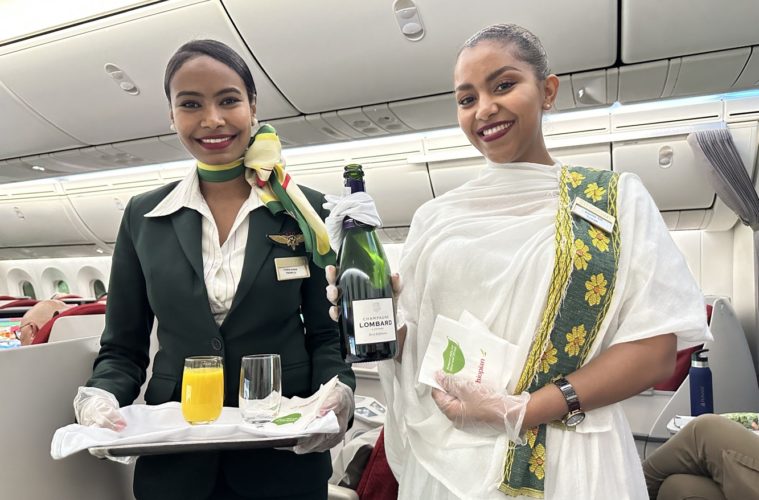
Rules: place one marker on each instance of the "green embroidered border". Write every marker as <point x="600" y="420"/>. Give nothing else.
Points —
<point x="583" y="281"/>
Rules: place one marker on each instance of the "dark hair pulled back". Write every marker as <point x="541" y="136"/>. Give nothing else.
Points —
<point x="215" y="50"/>
<point x="527" y="45"/>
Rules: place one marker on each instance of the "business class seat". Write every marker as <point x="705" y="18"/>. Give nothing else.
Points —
<point x="19" y="303"/>
<point x="734" y="383"/>
<point x="64" y="327"/>
<point x="40" y="382"/>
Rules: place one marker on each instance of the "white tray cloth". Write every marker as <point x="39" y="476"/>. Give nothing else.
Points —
<point x="163" y="424"/>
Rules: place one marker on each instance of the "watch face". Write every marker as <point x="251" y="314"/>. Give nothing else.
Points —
<point x="574" y="419"/>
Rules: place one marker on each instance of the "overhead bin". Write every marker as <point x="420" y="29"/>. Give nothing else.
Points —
<point x="661" y="164"/>
<point x="750" y="75"/>
<point x="100" y="202"/>
<point x="710" y="73"/>
<point x="652" y="29"/>
<point x="38" y="215"/>
<point x="90" y="105"/>
<point x="23" y="131"/>
<point x="357" y="53"/>
<point x="668" y="161"/>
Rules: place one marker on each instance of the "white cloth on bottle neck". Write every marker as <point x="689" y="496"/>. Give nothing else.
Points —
<point x="359" y="206"/>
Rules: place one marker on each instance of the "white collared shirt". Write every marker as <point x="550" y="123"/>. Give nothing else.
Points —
<point x="222" y="264"/>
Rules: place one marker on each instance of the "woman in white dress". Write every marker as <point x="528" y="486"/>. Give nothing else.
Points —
<point x="495" y="247"/>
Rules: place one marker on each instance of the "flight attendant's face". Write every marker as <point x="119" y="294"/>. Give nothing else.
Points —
<point x="210" y="110"/>
<point x="500" y="103"/>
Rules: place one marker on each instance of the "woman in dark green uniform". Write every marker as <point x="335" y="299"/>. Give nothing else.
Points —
<point x="201" y="257"/>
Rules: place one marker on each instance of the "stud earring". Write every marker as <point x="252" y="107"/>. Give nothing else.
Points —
<point x="547" y="106"/>
<point x="172" y="127"/>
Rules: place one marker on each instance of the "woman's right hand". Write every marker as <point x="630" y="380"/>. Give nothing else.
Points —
<point x="98" y="408"/>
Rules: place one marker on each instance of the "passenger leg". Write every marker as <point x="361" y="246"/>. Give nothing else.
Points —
<point x="689" y="487"/>
<point x="713" y="447"/>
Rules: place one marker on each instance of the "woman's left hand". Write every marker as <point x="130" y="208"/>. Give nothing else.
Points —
<point x="480" y="410"/>
<point x="340" y="401"/>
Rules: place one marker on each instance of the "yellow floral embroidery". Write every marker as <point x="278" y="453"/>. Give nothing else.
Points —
<point x="531" y="436"/>
<point x="575" y="340"/>
<point x="548" y="358"/>
<point x="596" y="288"/>
<point x="600" y="240"/>
<point x="576" y="178"/>
<point x="582" y="254"/>
<point x="594" y="191"/>
<point x="537" y="460"/>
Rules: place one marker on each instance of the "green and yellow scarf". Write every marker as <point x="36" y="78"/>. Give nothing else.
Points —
<point x="278" y="192"/>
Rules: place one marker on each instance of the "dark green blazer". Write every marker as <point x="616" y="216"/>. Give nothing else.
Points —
<point x="157" y="271"/>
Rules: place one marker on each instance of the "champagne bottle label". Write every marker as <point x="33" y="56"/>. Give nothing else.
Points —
<point x="373" y="321"/>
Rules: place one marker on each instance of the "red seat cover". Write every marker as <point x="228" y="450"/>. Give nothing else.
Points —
<point x="44" y="333"/>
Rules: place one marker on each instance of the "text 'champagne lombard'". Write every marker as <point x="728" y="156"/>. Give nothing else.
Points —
<point x="367" y="317"/>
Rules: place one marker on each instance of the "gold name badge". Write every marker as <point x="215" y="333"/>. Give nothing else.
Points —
<point x="292" y="268"/>
<point x="593" y="214"/>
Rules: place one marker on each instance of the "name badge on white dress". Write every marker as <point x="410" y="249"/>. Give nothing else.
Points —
<point x="292" y="268"/>
<point x="593" y="214"/>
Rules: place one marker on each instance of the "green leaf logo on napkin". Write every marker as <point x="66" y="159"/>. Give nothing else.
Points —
<point x="287" y="419"/>
<point x="453" y="358"/>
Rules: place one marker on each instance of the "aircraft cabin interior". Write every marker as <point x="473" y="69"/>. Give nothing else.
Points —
<point x="85" y="126"/>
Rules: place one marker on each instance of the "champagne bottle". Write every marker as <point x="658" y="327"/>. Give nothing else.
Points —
<point x="367" y="317"/>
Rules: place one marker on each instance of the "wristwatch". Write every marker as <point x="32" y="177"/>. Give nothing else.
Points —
<point x="575" y="414"/>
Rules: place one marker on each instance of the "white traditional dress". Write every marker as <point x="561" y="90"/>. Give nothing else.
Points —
<point x="487" y="247"/>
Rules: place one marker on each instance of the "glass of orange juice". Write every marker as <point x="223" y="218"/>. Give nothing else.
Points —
<point x="202" y="389"/>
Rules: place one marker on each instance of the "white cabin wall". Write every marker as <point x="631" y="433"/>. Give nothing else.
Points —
<point x="78" y="273"/>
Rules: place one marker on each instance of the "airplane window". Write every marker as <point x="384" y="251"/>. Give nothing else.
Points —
<point x="28" y="290"/>
<point x="61" y="286"/>
<point x="98" y="288"/>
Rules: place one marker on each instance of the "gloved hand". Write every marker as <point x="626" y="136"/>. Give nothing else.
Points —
<point x="358" y="206"/>
<point x="339" y="400"/>
<point x="96" y="407"/>
<point x="480" y="410"/>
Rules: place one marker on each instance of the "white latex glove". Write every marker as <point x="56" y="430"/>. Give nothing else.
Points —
<point x="340" y="401"/>
<point x="480" y="410"/>
<point x="99" y="408"/>
<point x="359" y="206"/>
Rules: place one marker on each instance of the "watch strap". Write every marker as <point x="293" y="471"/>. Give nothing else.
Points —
<point x="570" y="396"/>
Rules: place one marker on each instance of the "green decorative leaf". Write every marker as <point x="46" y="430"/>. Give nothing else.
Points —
<point x="287" y="419"/>
<point x="453" y="358"/>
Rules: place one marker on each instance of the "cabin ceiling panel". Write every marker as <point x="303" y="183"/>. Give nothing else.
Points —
<point x="67" y="82"/>
<point x="656" y="29"/>
<point x="337" y="54"/>
<point x="24" y="132"/>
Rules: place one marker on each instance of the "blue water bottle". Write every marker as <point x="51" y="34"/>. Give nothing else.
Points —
<point x="701" y="400"/>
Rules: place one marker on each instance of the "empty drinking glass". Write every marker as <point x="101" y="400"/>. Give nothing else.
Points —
<point x="260" y="388"/>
